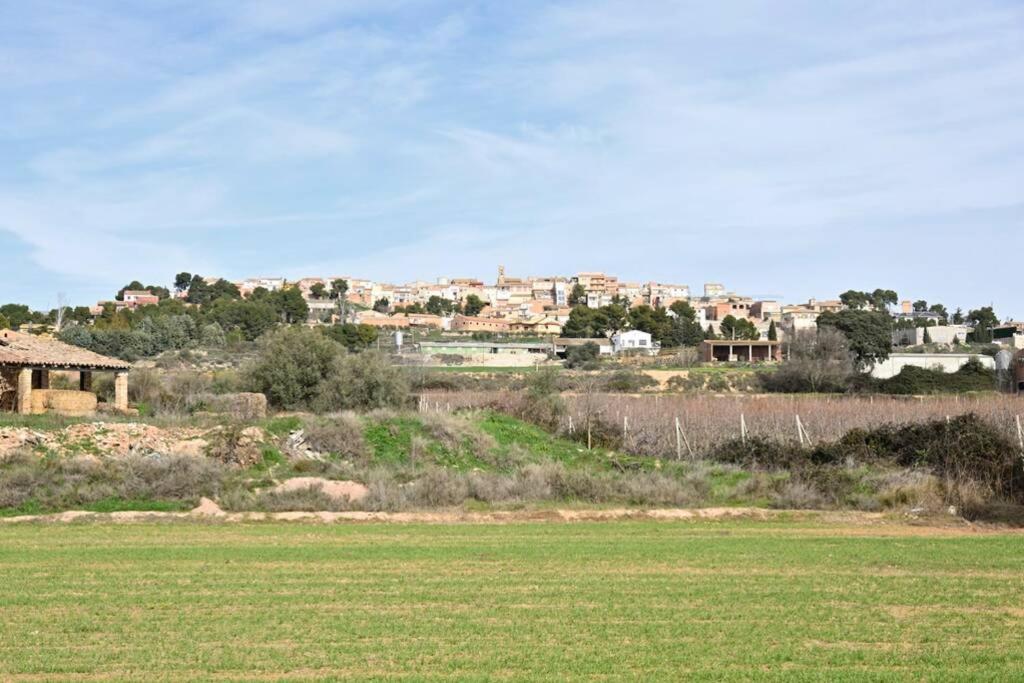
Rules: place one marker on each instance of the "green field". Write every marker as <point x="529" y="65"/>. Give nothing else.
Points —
<point x="638" y="600"/>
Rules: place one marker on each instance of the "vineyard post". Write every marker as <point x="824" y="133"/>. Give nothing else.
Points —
<point x="679" y="441"/>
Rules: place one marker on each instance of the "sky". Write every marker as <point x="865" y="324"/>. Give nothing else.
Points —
<point x="786" y="149"/>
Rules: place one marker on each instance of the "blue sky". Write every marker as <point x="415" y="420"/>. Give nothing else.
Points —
<point x="789" y="149"/>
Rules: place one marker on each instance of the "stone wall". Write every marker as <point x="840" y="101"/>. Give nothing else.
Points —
<point x="63" y="402"/>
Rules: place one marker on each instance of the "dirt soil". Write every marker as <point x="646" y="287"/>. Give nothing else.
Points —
<point x="115" y="439"/>
<point x="812" y="522"/>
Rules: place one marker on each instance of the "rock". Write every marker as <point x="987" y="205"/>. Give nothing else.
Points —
<point x="208" y="507"/>
<point x="241" y="406"/>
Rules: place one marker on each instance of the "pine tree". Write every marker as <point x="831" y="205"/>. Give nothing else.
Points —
<point x="773" y="335"/>
<point x="927" y="336"/>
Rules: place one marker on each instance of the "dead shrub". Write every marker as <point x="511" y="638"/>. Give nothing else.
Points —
<point x="456" y="432"/>
<point x="339" y="434"/>
<point x="798" y="495"/>
<point x="308" y="499"/>
<point x="439" y="488"/>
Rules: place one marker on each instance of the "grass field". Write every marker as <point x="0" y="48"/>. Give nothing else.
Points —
<point x="650" y="600"/>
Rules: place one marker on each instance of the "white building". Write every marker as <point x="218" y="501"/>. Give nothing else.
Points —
<point x="633" y="340"/>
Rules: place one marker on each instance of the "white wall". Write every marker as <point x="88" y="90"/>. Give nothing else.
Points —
<point x="947" y="362"/>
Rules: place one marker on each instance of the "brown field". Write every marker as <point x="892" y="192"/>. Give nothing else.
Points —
<point x="707" y="420"/>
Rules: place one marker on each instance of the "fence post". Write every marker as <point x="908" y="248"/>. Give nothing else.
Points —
<point x="570" y="424"/>
<point x="679" y="441"/>
<point x="799" y="430"/>
<point x="1020" y="435"/>
<point x="625" y="429"/>
<point x="743" y="428"/>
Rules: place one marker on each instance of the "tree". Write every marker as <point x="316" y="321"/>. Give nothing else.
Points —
<point x="773" y="334"/>
<point x="854" y="299"/>
<point x="983" y="320"/>
<point x="710" y="333"/>
<point x="437" y="305"/>
<point x="582" y="323"/>
<point x="182" y="281"/>
<point x="353" y="337"/>
<point x="613" y="318"/>
<point x="251" y="318"/>
<point x="472" y="305"/>
<point x="881" y="299"/>
<point x="133" y="286"/>
<point x="920" y="306"/>
<point x="738" y="328"/>
<point x="364" y="381"/>
<point x="683" y="310"/>
<point x="339" y="288"/>
<point x="941" y="311"/>
<point x="869" y="333"/>
<point x="578" y="295"/>
<point x="585" y="356"/>
<point x="4" y="323"/>
<point x="16" y="314"/>
<point x="654" y="321"/>
<point x="815" y="361"/>
<point x="291" y="365"/>
<point x="381" y="305"/>
<point x="318" y="290"/>
<point x="289" y="304"/>
<point x="958" y="317"/>
<point x="927" y="336"/>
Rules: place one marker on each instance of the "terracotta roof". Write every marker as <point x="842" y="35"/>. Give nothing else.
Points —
<point x="17" y="348"/>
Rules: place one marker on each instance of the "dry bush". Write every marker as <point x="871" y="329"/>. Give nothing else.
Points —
<point x="798" y="495"/>
<point x="339" y="434"/>
<point x="308" y="499"/>
<point x="68" y="483"/>
<point x="457" y="431"/>
<point x="711" y="420"/>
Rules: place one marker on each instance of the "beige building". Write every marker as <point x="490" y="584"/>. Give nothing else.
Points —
<point x="26" y="362"/>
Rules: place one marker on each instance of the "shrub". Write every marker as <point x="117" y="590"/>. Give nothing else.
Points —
<point x="973" y="376"/>
<point x="628" y="381"/>
<point x="363" y="381"/>
<point x="542" y="404"/>
<point x="292" y="364"/>
<point x="584" y="357"/>
<point x="64" y="483"/>
<point x="340" y="434"/>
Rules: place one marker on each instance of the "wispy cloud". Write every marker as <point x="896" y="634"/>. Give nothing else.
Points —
<point x="804" y="147"/>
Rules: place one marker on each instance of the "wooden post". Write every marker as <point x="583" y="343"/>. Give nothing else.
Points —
<point x="1020" y="435"/>
<point x="743" y="428"/>
<point x="588" y="435"/>
<point x="571" y="430"/>
<point x="799" y="430"/>
<point x="679" y="441"/>
<point x="625" y="428"/>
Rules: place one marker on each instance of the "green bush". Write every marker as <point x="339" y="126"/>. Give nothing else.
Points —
<point x="912" y="380"/>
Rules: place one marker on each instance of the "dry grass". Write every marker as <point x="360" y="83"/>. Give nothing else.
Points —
<point x="708" y="421"/>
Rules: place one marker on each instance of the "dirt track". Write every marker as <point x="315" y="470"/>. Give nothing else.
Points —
<point x="845" y="523"/>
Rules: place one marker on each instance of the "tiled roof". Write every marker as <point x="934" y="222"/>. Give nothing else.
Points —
<point x="17" y="348"/>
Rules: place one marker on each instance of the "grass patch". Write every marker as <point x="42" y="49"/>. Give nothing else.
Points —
<point x="637" y="600"/>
